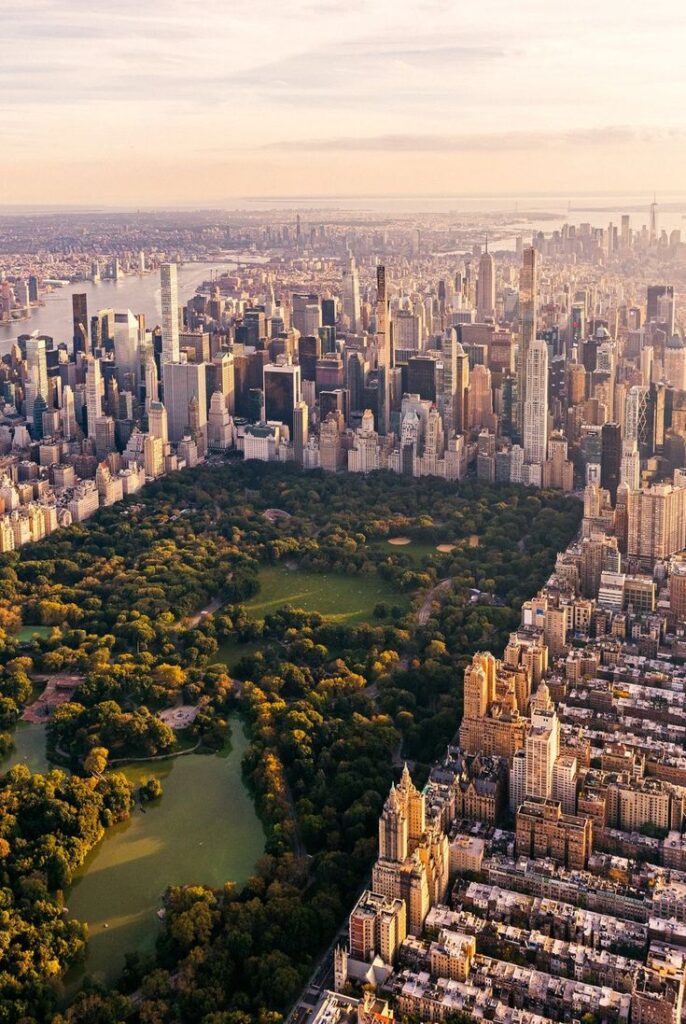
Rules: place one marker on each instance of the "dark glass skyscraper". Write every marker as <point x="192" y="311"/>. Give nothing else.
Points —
<point x="79" y="305"/>
<point x="611" y="458"/>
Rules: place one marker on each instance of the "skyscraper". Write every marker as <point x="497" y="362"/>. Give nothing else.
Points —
<point x="383" y="347"/>
<point x="351" y="294"/>
<point x="485" y="307"/>
<point x="611" y="458"/>
<point x="68" y="416"/>
<point x="37" y="370"/>
<point x="170" y="313"/>
<point x="542" y="745"/>
<point x="79" y="305"/>
<point x="183" y="382"/>
<point x="93" y="394"/>
<point x="158" y="422"/>
<point x="282" y="392"/>
<point x="536" y="403"/>
<point x="127" y="351"/>
<point x="461" y="390"/>
<point x="654" y="293"/>
<point x="653" y="222"/>
<point x="300" y="430"/>
<point x="528" y="287"/>
<point x="152" y="387"/>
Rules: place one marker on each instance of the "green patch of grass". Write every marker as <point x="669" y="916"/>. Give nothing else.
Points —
<point x="26" y="632"/>
<point x="416" y="550"/>
<point x="347" y="599"/>
<point x="232" y="650"/>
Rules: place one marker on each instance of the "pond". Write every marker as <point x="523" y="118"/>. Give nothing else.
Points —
<point x="203" y="830"/>
<point x="29" y="748"/>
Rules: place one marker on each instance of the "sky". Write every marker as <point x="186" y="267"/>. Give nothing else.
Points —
<point x="162" y="102"/>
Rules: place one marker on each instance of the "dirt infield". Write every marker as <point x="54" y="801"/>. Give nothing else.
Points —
<point x="399" y="541"/>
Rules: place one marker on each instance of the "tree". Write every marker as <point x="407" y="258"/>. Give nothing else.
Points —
<point x="95" y="761"/>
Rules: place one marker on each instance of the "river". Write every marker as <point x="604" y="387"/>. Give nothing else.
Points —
<point x="139" y="294"/>
<point x="203" y="830"/>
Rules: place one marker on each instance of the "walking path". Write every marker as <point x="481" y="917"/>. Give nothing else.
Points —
<point x="424" y="613"/>
<point x="209" y="609"/>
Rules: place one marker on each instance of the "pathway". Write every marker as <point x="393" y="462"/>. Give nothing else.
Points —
<point x="209" y="609"/>
<point x="424" y="613"/>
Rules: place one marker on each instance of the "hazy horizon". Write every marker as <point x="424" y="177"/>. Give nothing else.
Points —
<point x="175" y="103"/>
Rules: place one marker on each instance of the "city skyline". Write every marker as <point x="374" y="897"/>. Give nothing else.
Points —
<point x="344" y="100"/>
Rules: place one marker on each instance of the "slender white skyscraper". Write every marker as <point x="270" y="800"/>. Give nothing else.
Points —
<point x="528" y="287"/>
<point x="485" y="307"/>
<point x="536" y="403"/>
<point x="93" y="394"/>
<point x="383" y="348"/>
<point x="351" y="294"/>
<point x="68" y="416"/>
<point x="170" y="313"/>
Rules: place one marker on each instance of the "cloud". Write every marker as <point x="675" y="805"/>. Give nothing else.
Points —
<point x="496" y="142"/>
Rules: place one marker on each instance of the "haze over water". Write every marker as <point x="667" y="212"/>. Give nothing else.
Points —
<point x="139" y="294"/>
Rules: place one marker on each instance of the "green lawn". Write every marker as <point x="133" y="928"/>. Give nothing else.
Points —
<point x="26" y="632"/>
<point x="416" y="550"/>
<point x="347" y="599"/>
<point x="232" y="650"/>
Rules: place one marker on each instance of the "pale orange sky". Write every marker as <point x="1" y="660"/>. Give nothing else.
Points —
<point x="170" y="102"/>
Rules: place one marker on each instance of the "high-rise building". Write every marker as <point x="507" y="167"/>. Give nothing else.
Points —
<point x="461" y="390"/>
<point x="536" y="403"/>
<point x="68" y="415"/>
<point x="528" y="289"/>
<point x="151" y="381"/>
<point x="485" y="307"/>
<point x="677" y="588"/>
<point x="611" y="458"/>
<point x="93" y="394"/>
<point x="350" y="290"/>
<point x="170" y="313"/>
<point x="102" y="329"/>
<point x="221" y="371"/>
<point x="299" y="303"/>
<point x="675" y="362"/>
<point x="158" y="422"/>
<point x="383" y="347"/>
<point x="219" y="423"/>
<point x="657" y="522"/>
<point x="182" y="383"/>
<point x="127" y="350"/>
<point x="481" y="398"/>
<point x="301" y="418"/>
<point x="542" y="746"/>
<point x="655" y="292"/>
<point x="37" y="371"/>
<point x="282" y="392"/>
<point x="79" y="305"/>
<point x="377" y="926"/>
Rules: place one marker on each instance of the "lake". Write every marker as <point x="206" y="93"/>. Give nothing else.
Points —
<point x="203" y="830"/>
<point x="29" y="749"/>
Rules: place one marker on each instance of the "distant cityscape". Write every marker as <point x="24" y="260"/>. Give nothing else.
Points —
<point x="351" y="347"/>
